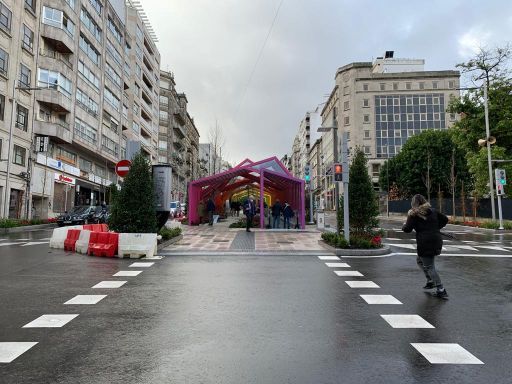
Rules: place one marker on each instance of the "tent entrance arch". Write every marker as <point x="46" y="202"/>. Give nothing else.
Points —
<point x="268" y="178"/>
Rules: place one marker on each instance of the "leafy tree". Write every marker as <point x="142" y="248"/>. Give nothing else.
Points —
<point x="479" y="168"/>
<point x="363" y="204"/>
<point x="133" y="208"/>
<point x="426" y="160"/>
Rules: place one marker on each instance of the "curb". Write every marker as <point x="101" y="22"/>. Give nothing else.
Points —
<point x="165" y="244"/>
<point x="385" y="250"/>
<point x="24" y="228"/>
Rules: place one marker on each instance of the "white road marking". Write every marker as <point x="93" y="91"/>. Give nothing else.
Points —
<point x="127" y="273"/>
<point x="440" y="353"/>
<point x="7" y="244"/>
<point x="328" y="257"/>
<point x="11" y="350"/>
<point x="337" y="265"/>
<point x="407" y="321"/>
<point x="35" y="243"/>
<point x="408" y="246"/>
<point x="110" y="284"/>
<point x="361" y="284"/>
<point x="468" y="247"/>
<point x="442" y="254"/>
<point x="380" y="299"/>
<point x="50" y="321"/>
<point x="348" y="273"/>
<point x="86" y="299"/>
<point x="394" y="238"/>
<point x="492" y="247"/>
<point x="141" y="265"/>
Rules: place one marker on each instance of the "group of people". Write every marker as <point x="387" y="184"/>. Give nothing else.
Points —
<point x="285" y="210"/>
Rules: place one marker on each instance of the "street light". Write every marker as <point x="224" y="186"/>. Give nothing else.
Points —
<point x="10" y="145"/>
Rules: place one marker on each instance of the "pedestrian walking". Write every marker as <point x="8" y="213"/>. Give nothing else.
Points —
<point x="276" y="214"/>
<point x="427" y="223"/>
<point x="287" y="215"/>
<point x="201" y="211"/>
<point x="250" y="211"/>
<point x="210" y="208"/>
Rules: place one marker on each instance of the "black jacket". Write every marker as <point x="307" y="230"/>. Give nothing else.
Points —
<point x="428" y="235"/>
<point x="276" y="209"/>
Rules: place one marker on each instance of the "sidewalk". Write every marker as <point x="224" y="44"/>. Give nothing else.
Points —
<point x="219" y="237"/>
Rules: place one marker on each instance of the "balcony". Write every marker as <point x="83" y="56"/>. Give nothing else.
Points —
<point x="145" y="142"/>
<point x="59" y="37"/>
<point x="55" y="99"/>
<point x="180" y="117"/>
<point x="179" y="131"/>
<point x="60" y="57"/>
<point x="57" y="129"/>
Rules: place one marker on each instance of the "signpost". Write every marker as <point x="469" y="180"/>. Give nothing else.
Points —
<point x="501" y="181"/>
<point x="123" y="167"/>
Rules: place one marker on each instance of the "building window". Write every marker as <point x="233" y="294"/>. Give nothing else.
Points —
<point x="365" y="86"/>
<point x="138" y="51"/>
<point x="382" y="86"/>
<point x="422" y="85"/>
<point x="383" y="102"/>
<point x="434" y="85"/>
<point x="4" y="62"/>
<point x="66" y="156"/>
<point x="30" y="4"/>
<point x="346" y="105"/>
<point x="366" y="103"/>
<point x="28" y="38"/>
<point x="55" y="80"/>
<point x="112" y="75"/>
<point x="366" y="119"/>
<point x="162" y="159"/>
<point x="90" y="24"/>
<point x="162" y="144"/>
<point x="437" y="116"/>
<point x="85" y="131"/>
<point x="57" y="18"/>
<point x="366" y="134"/>
<point x="423" y="100"/>
<point x="19" y="155"/>
<point x="395" y="86"/>
<point x="396" y="117"/>
<point x="346" y="120"/>
<point x="2" y="107"/>
<point x="366" y="149"/>
<point x="164" y="115"/>
<point x="384" y="134"/>
<point x="5" y="18"/>
<point x="114" y="30"/>
<point x="452" y="116"/>
<point x="85" y="165"/>
<point x="110" y="123"/>
<point x="396" y="101"/>
<point x="345" y="90"/>
<point x="423" y="116"/>
<point x="88" y="74"/>
<point x="136" y="127"/>
<point x="139" y="34"/>
<point x="109" y="145"/>
<point x="384" y="118"/>
<point x="21" y="117"/>
<point x="164" y="100"/>
<point x="96" y="4"/>
<point x="435" y="100"/>
<point x="398" y="148"/>
<point x="25" y="74"/>
<point x="408" y="85"/>
<point x="410" y="117"/>
<point x="114" y="53"/>
<point x="111" y="99"/>
<point x="136" y="109"/>
<point x="451" y="84"/>
<point x="408" y="101"/>
<point x="89" y="50"/>
<point x="398" y="133"/>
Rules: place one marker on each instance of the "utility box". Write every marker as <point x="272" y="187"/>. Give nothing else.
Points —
<point x="320" y="219"/>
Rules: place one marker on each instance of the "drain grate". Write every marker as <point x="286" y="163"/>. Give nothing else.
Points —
<point x="243" y="241"/>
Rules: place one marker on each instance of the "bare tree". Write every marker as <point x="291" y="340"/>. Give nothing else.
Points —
<point x="217" y="141"/>
<point x="488" y="64"/>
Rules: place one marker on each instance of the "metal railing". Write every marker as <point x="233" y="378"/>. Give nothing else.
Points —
<point x="57" y="56"/>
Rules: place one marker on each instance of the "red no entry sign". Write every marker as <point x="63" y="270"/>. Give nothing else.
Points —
<point x="123" y="167"/>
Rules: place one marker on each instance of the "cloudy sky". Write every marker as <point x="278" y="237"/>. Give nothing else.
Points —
<point x="212" y="46"/>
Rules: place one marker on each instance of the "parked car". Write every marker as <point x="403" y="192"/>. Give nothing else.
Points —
<point x="86" y="215"/>
<point x="66" y="217"/>
<point x="101" y="216"/>
<point x="175" y="208"/>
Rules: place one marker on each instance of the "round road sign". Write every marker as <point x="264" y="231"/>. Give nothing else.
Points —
<point x="123" y="167"/>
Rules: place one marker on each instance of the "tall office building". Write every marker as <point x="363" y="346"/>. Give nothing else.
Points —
<point x="87" y="77"/>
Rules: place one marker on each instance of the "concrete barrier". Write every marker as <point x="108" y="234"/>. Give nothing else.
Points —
<point x="82" y="244"/>
<point x="137" y="245"/>
<point x="59" y="236"/>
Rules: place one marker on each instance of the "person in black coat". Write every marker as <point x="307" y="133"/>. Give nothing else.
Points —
<point x="287" y="214"/>
<point x="276" y="214"/>
<point x="427" y="223"/>
<point x="250" y="211"/>
<point x="210" y="208"/>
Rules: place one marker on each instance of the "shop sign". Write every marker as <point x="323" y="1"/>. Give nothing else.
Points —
<point x="60" y="178"/>
<point x="70" y="169"/>
<point x="57" y="164"/>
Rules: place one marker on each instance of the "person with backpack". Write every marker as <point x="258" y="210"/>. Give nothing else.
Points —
<point x="427" y="223"/>
<point x="287" y="214"/>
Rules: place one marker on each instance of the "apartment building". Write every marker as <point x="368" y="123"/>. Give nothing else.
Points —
<point x="87" y="77"/>
<point x="381" y="104"/>
<point x="178" y="140"/>
<point x="301" y="147"/>
<point x="207" y="159"/>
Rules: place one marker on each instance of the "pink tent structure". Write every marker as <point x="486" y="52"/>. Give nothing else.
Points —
<point x="270" y="176"/>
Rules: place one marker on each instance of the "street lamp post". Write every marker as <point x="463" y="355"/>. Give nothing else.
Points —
<point x="488" y="142"/>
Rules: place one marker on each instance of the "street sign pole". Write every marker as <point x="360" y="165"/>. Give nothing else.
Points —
<point x="346" y="225"/>
<point x="310" y="204"/>
<point x="499" y="175"/>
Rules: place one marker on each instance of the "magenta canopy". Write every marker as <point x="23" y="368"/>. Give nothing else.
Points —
<point x="269" y="175"/>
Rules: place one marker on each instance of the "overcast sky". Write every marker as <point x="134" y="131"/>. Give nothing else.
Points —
<point x="212" y="47"/>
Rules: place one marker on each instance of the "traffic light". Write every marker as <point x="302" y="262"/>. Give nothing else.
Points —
<point x="338" y="172"/>
<point x="307" y="177"/>
<point x="501" y="177"/>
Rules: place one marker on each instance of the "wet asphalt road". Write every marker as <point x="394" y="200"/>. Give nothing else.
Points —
<point x="249" y="319"/>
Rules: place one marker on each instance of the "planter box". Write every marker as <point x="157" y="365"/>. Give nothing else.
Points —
<point x="385" y="250"/>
